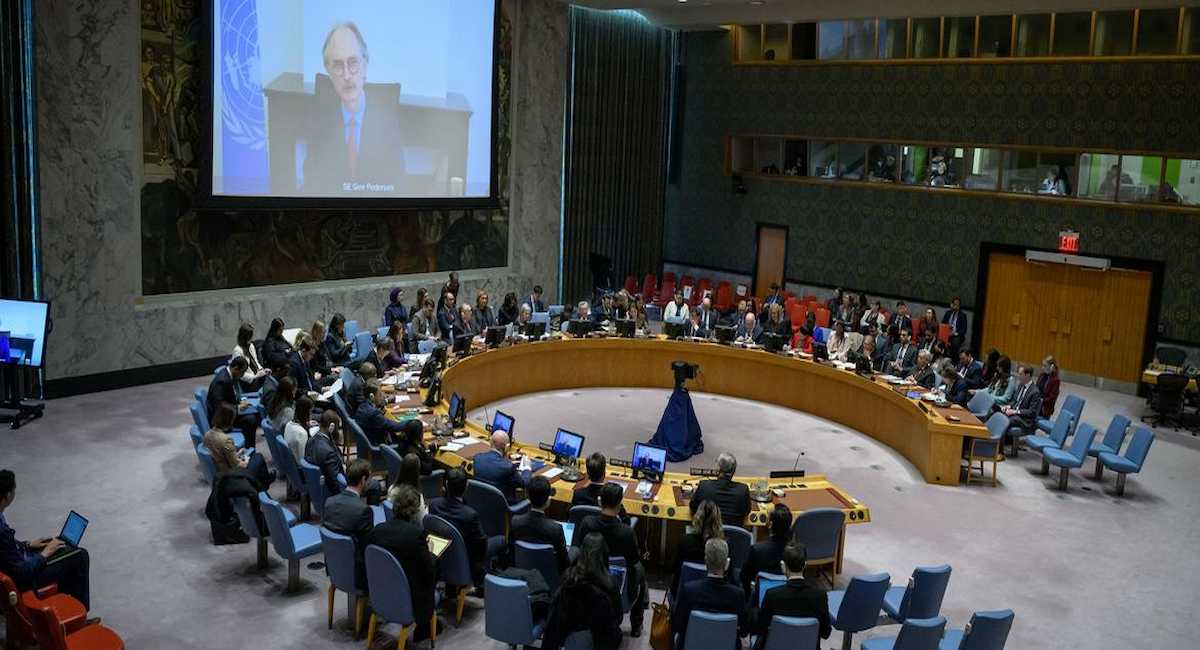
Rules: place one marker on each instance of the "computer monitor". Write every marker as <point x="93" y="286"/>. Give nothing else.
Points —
<point x="567" y="445"/>
<point x="649" y="459"/>
<point x="820" y="351"/>
<point x="674" y="330"/>
<point x="772" y="342"/>
<point x="23" y="332"/>
<point x="462" y="344"/>
<point x="579" y="327"/>
<point x="535" y="330"/>
<point x="494" y="336"/>
<point x="725" y="333"/>
<point x="458" y="410"/>
<point x="502" y="421"/>
<point x="626" y="328"/>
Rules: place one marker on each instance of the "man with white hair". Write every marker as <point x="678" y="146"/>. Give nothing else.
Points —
<point x="713" y="593"/>
<point x="923" y="373"/>
<point x="493" y="467"/>
<point x="731" y="497"/>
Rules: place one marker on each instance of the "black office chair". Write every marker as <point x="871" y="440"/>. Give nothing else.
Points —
<point x="1167" y="400"/>
<point x="1169" y="356"/>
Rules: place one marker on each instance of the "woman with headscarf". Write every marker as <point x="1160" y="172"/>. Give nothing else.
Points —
<point x="395" y="311"/>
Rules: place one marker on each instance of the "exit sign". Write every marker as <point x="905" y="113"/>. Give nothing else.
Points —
<point x="1068" y="241"/>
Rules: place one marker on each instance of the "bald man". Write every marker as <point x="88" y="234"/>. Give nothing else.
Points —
<point x="493" y="466"/>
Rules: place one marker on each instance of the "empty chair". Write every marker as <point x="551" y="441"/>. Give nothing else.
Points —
<point x="292" y="544"/>
<point x="917" y="634"/>
<point x="740" y="540"/>
<point x="51" y="634"/>
<point x="1058" y="436"/>
<point x="494" y="513"/>
<point x="285" y="461"/>
<point x="856" y="609"/>
<point x="454" y="566"/>
<point x="708" y="630"/>
<point x="1131" y="462"/>
<point x="391" y="459"/>
<point x="382" y="331"/>
<point x="723" y="299"/>
<point x="989" y="449"/>
<point x="363" y="343"/>
<point x="820" y="530"/>
<point x="987" y="631"/>
<point x="248" y="518"/>
<point x="649" y="284"/>
<point x="537" y="557"/>
<point x="1072" y="404"/>
<point x="391" y="598"/>
<point x="1113" y="437"/>
<point x="922" y="597"/>
<point x="508" y="613"/>
<point x="792" y="633"/>
<point x="631" y="284"/>
<point x="980" y="403"/>
<point x="350" y="329"/>
<point x="1167" y="399"/>
<point x="431" y="484"/>
<point x="1065" y="459"/>
<point x="68" y="611"/>
<point x="339" y="566"/>
<point x="363" y="446"/>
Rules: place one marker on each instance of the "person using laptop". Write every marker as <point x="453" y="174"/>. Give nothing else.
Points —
<point x="37" y="563"/>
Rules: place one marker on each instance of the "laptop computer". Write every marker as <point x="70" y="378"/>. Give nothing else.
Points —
<point x="72" y="533"/>
<point x="568" y="531"/>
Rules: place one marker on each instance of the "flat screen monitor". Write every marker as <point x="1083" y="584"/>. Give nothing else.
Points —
<point x="458" y="410"/>
<point x="773" y="342"/>
<point x="462" y="343"/>
<point x="579" y="327"/>
<point x="535" y="330"/>
<point x="23" y="332"/>
<point x="820" y="351"/>
<point x="649" y="458"/>
<point x="674" y="330"/>
<point x="626" y="328"/>
<point x="502" y="421"/>
<point x="725" y="333"/>
<point x="567" y="444"/>
<point x="495" y="335"/>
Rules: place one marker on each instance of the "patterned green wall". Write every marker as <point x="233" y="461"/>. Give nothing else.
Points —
<point x="926" y="244"/>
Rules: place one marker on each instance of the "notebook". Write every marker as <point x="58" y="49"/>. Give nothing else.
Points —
<point x="437" y="545"/>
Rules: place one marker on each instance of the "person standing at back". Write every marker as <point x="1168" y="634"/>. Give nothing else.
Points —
<point x="395" y="312"/>
<point x="731" y="497"/>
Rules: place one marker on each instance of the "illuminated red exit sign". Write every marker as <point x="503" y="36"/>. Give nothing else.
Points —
<point x="1068" y="241"/>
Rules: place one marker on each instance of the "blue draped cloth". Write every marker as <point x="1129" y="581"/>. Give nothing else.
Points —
<point x="679" y="430"/>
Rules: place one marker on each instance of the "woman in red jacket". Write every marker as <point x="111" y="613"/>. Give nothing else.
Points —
<point x="1047" y="384"/>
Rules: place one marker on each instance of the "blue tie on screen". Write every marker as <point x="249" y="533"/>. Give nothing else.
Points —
<point x="243" y="114"/>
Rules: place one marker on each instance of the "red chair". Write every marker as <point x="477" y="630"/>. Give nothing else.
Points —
<point x="703" y="287"/>
<point x="723" y="302"/>
<point x="795" y="313"/>
<point x="631" y="284"/>
<point x="667" y="293"/>
<point x="944" y="333"/>
<point x="687" y="281"/>
<point x="51" y="634"/>
<point x="19" y="628"/>
<point x="918" y="329"/>
<point x="649" y="285"/>
<point x="810" y="298"/>
<point x="822" y="317"/>
<point x="788" y="295"/>
<point x="668" y="276"/>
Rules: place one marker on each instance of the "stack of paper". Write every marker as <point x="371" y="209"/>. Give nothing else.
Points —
<point x="335" y="387"/>
<point x="451" y="446"/>
<point x="551" y="473"/>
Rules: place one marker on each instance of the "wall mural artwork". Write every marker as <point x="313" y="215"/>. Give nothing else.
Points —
<point x="183" y="250"/>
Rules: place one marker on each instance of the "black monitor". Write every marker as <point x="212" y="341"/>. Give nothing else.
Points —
<point x="674" y="330"/>
<point x="820" y="351"/>
<point x="772" y="342"/>
<point x="626" y="328"/>
<point x="534" y="330"/>
<point x="494" y="336"/>
<point x="23" y="332"/>
<point x="725" y="333"/>
<point x="648" y="460"/>
<point x="458" y="410"/>
<point x="567" y="445"/>
<point x="462" y="344"/>
<point x="579" y="327"/>
<point x="502" y="421"/>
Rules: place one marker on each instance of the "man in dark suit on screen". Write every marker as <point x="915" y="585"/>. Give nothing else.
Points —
<point x="354" y="136"/>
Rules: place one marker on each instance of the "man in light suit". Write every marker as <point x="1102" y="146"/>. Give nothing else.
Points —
<point x="903" y="356"/>
<point x="347" y="513"/>
<point x="493" y="467"/>
<point x="424" y="325"/>
<point x="957" y="321"/>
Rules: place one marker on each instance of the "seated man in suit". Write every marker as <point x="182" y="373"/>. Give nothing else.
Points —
<point x="713" y="593"/>
<point x="589" y="495"/>
<point x="492" y="466"/>
<point x="347" y="512"/>
<point x="748" y="331"/>
<point x="226" y="388"/>
<point x="969" y="369"/>
<point x="622" y="541"/>
<point x="707" y="318"/>
<point x="299" y="368"/>
<point x="604" y="311"/>
<point x="931" y="343"/>
<point x="796" y="599"/>
<point x="535" y="527"/>
<point x="464" y="518"/>
<point x="870" y="353"/>
<point x="424" y="324"/>
<point x="355" y="392"/>
<point x="1027" y="403"/>
<point x="923" y="373"/>
<point x="354" y="140"/>
<point x="447" y="318"/>
<point x="25" y="561"/>
<point x="954" y="387"/>
<point x="464" y="322"/>
<point x="379" y="428"/>
<point x="903" y="356"/>
<point x="534" y="300"/>
<point x="403" y="537"/>
<point x="731" y="497"/>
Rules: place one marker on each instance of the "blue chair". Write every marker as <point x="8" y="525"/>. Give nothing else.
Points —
<point x="248" y="519"/>
<point x="791" y="633"/>
<point x="1072" y="404"/>
<point x="1131" y="462"/>
<point x="537" y="557"/>
<point x="986" y="631"/>
<point x="581" y="640"/>
<point x="980" y="403"/>
<point x="689" y="571"/>
<point x="201" y="394"/>
<point x="363" y="342"/>
<point x="917" y="634"/>
<point x="454" y="567"/>
<point x="922" y="598"/>
<point x="989" y="449"/>
<point x="707" y="630"/>
<point x="314" y="484"/>
<point x="508" y="613"/>
<point x="207" y="465"/>
<point x="1113" y="437"/>
<point x="286" y="462"/>
<point x="294" y="543"/>
<point x="494" y="513"/>
<point x="363" y="446"/>
<point x="821" y="530"/>
<point x="350" y="329"/>
<point x="431" y="484"/>
<point x="391" y="597"/>
<point x="200" y="418"/>
<point x="1065" y="459"/>
<point x="740" y="540"/>
<point x="391" y="459"/>
<point x="765" y="582"/>
<point x="856" y="609"/>
<point x="1056" y="439"/>
<point x="382" y="332"/>
<point x="196" y="436"/>
<point x="339" y="566"/>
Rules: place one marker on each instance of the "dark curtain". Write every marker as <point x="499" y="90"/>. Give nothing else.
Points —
<point x="18" y="144"/>
<point x="615" y="152"/>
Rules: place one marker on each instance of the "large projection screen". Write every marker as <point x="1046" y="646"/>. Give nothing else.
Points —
<point x="318" y="103"/>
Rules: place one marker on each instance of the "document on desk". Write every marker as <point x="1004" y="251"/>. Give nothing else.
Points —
<point x="335" y="387"/>
<point x="551" y="473"/>
<point x="463" y="441"/>
<point x="451" y="446"/>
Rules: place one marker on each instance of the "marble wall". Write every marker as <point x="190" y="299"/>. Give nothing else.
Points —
<point x="89" y="144"/>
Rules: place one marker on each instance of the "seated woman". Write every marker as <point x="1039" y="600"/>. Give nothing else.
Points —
<point x="1003" y="387"/>
<point x="483" y="315"/>
<point x="838" y="345"/>
<point x="296" y="432"/>
<point x="928" y="322"/>
<point x="586" y="599"/>
<point x="706" y="524"/>
<point x="281" y="409"/>
<point x="245" y="348"/>
<point x="765" y="555"/>
<point x="401" y="342"/>
<point x="320" y="364"/>
<point x="226" y="456"/>
<point x="411" y="470"/>
<point x="337" y="348"/>
<point x="386" y="355"/>
<point x="508" y="310"/>
<point x="990" y="364"/>
<point x="275" y="349"/>
<point x="422" y="294"/>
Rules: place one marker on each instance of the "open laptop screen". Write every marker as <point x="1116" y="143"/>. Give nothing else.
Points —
<point x="72" y="530"/>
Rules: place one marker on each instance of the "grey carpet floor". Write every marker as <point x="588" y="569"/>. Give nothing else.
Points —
<point x="1082" y="569"/>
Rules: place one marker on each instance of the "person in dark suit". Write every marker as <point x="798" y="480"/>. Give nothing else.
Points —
<point x="589" y="495"/>
<point x="871" y="354"/>
<point x="494" y="468"/>
<point x="969" y="369"/>
<point x="483" y="313"/>
<point x="796" y="598"/>
<point x="354" y="135"/>
<point x="1027" y="403"/>
<point x="450" y="286"/>
<point x="534" y="300"/>
<point x="535" y="527"/>
<point x="380" y="429"/>
<point x="923" y="373"/>
<point x="712" y="593"/>
<point x="766" y="555"/>
<point x="403" y="537"/>
<point x="903" y="356"/>
<point x="776" y="297"/>
<point x="25" y="561"/>
<point x="355" y="390"/>
<point x="464" y="518"/>
<point x="347" y="513"/>
<point x="275" y="348"/>
<point x="954" y="387"/>
<point x="447" y="318"/>
<point x="706" y="318"/>
<point x="322" y="450"/>
<point x="604" y="311"/>
<point x="299" y="368"/>
<point x="957" y="320"/>
<point x="748" y="331"/>
<point x="731" y="497"/>
<point x="464" y="322"/>
<point x="931" y="343"/>
<point x="622" y="541"/>
<point x="226" y="388"/>
<point x="1048" y="386"/>
<point x="900" y="319"/>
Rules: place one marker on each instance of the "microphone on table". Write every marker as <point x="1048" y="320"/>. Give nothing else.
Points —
<point x="795" y="465"/>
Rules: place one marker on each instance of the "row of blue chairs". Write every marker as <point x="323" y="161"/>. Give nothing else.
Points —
<point x="1056" y="452"/>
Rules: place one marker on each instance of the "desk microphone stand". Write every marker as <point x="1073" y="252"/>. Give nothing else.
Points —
<point x="12" y="392"/>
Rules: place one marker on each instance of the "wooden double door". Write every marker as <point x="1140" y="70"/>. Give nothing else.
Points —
<point x="1092" y="321"/>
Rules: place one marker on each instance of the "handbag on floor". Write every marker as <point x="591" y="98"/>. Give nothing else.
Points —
<point x="660" y="625"/>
